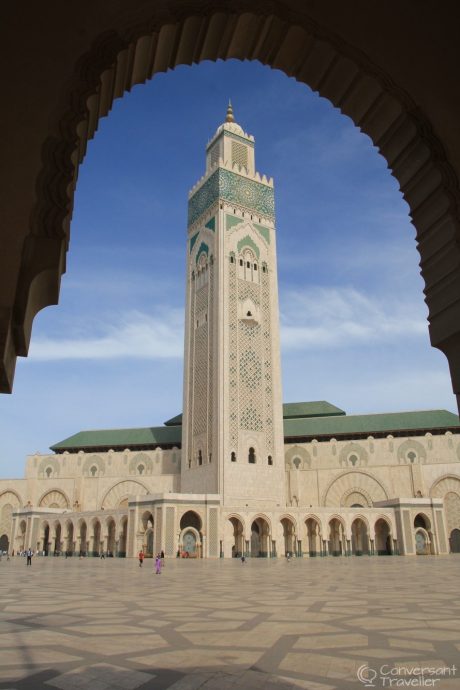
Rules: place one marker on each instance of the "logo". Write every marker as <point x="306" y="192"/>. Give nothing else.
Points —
<point x="367" y="676"/>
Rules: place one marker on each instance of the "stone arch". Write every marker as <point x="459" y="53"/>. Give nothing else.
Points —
<point x="55" y="498"/>
<point x="235" y="532"/>
<point x="448" y="488"/>
<point x="407" y="448"/>
<point x="140" y="460"/>
<point x="289" y="526"/>
<point x="356" y="498"/>
<point x="191" y="518"/>
<point x="351" y="451"/>
<point x="48" y="468"/>
<point x="314" y="533"/>
<point x="261" y="531"/>
<point x="117" y="495"/>
<point x="359" y="536"/>
<point x="91" y="462"/>
<point x="298" y="453"/>
<point x="383" y="536"/>
<point x="444" y="484"/>
<point x="10" y="497"/>
<point x="149" y="40"/>
<point x="348" y="482"/>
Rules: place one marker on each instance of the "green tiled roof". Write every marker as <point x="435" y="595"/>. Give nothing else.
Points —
<point x="122" y="438"/>
<point x="308" y="423"/>
<point x="424" y="420"/>
<point x="174" y="421"/>
<point x="319" y="408"/>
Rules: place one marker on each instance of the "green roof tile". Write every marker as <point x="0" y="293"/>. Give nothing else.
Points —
<point x="318" y="408"/>
<point x="121" y="438"/>
<point x="370" y="423"/>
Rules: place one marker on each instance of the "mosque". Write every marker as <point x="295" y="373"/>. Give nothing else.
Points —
<point x="239" y="472"/>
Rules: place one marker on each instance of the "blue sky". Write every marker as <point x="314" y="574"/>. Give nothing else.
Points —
<point x="353" y="320"/>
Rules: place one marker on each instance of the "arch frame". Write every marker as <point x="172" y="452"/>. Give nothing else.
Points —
<point x="145" y="42"/>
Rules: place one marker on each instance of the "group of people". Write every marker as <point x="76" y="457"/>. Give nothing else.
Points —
<point x="159" y="561"/>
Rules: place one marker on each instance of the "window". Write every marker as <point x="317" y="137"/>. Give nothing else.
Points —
<point x="189" y="463"/>
<point x="252" y="456"/>
<point x="93" y="471"/>
<point x="353" y="459"/>
<point x="200" y="458"/>
<point x="232" y="259"/>
<point x="270" y="460"/>
<point x="241" y="262"/>
<point x="48" y="472"/>
<point x="140" y="469"/>
<point x="411" y="456"/>
<point x="210" y="457"/>
<point x="255" y="267"/>
<point x="248" y="264"/>
<point x="233" y="456"/>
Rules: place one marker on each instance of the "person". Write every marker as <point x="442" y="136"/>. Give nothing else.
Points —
<point x="158" y="564"/>
<point x="288" y="556"/>
<point x="29" y="556"/>
<point x="141" y="558"/>
<point x="162" y="556"/>
<point x="243" y="558"/>
<point x="102" y="555"/>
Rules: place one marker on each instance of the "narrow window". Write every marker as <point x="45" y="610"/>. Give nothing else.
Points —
<point x="232" y="260"/>
<point x="255" y="267"/>
<point x="270" y="460"/>
<point x="210" y="457"/>
<point x="248" y="265"/>
<point x="48" y="472"/>
<point x="252" y="456"/>
<point x="189" y="463"/>
<point x="200" y="458"/>
<point x="233" y="456"/>
<point x="141" y="469"/>
<point x="241" y="262"/>
<point x="93" y="471"/>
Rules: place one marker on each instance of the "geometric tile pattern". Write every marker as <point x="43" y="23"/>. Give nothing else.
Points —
<point x="220" y="625"/>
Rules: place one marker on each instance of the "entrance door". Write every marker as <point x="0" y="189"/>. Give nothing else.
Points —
<point x="189" y="544"/>
<point x="455" y="541"/>
<point x="421" y="543"/>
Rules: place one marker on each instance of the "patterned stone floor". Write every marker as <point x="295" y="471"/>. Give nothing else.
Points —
<point x="269" y="625"/>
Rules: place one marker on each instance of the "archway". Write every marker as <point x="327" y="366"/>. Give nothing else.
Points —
<point x="4" y="543"/>
<point x="95" y="547"/>
<point x="45" y="544"/>
<point x="359" y="537"/>
<point x="313" y="537"/>
<point x="21" y="536"/>
<point x="260" y="538"/>
<point x="289" y="536"/>
<point x="69" y="539"/>
<point x="57" y="539"/>
<point x="122" y="544"/>
<point x="423" y="535"/>
<point x="454" y="541"/>
<point x="191" y="538"/>
<point x="111" y="544"/>
<point x="127" y="48"/>
<point x="147" y="533"/>
<point x="238" y="546"/>
<point x="337" y="544"/>
<point x="383" y="540"/>
<point x="84" y="544"/>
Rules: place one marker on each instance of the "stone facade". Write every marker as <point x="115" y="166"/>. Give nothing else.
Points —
<point x="229" y="479"/>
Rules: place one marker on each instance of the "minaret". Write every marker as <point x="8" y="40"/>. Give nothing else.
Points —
<point x="232" y="440"/>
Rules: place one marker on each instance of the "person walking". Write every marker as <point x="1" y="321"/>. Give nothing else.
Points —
<point x="158" y="564"/>
<point x="141" y="558"/>
<point x="30" y="553"/>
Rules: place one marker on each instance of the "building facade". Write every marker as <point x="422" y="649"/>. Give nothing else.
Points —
<point x="239" y="473"/>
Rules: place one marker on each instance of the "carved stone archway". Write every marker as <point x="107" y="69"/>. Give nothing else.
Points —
<point x="390" y="96"/>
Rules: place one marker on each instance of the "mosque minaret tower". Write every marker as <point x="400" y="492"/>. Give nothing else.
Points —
<point x="233" y="426"/>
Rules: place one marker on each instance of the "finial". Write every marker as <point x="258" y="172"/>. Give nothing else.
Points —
<point x="229" y="117"/>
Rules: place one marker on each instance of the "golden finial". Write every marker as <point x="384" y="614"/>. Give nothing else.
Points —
<point x="229" y="117"/>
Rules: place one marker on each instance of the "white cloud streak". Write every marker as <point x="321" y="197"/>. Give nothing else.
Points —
<point x="137" y="336"/>
<point x="336" y="318"/>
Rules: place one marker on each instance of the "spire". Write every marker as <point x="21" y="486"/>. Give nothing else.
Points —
<point x="229" y="117"/>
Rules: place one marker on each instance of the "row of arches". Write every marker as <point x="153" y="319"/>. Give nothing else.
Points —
<point x="84" y="537"/>
<point x="313" y="538"/>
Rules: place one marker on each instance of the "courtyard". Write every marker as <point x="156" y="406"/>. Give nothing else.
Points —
<point x="217" y="625"/>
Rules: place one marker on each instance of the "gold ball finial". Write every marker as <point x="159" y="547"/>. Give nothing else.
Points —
<point x="229" y="117"/>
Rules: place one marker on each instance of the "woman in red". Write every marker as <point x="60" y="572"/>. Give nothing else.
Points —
<point x="141" y="558"/>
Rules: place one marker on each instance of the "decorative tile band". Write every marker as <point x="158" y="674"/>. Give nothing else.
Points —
<point x="231" y="187"/>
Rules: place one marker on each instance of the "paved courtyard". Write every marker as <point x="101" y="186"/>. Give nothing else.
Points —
<point x="269" y="625"/>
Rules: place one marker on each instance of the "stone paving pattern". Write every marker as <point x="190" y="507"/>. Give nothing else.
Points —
<point x="223" y="625"/>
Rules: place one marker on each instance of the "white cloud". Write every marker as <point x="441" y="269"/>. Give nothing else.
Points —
<point x="135" y="336"/>
<point x="329" y="317"/>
